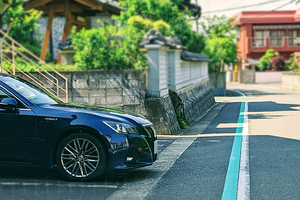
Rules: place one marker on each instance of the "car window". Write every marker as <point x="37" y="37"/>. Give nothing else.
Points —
<point x="4" y="94"/>
<point x="32" y="93"/>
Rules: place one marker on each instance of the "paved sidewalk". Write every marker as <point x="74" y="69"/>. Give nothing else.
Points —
<point x="203" y="121"/>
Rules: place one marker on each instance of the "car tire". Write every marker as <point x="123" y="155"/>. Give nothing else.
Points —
<point x="81" y="157"/>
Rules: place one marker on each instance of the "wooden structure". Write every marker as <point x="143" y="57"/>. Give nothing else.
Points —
<point x="75" y="12"/>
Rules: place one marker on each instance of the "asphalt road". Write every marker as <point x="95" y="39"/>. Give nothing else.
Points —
<point x="196" y="164"/>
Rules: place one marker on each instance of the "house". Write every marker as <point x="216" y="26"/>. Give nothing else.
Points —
<point x="60" y="16"/>
<point x="259" y="31"/>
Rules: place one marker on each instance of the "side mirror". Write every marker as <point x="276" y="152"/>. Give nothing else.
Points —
<point x="9" y="104"/>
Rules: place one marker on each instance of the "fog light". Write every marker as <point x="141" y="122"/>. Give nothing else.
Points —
<point x="128" y="159"/>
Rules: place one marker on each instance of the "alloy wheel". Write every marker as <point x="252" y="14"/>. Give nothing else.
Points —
<point x="80" y="157"/>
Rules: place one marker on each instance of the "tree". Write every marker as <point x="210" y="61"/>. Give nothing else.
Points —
<point x="217" y="26"/>
<point x="294" y="63"/>
<point x="265" y="63"/>
<point x="278" y="63"/>
<point x="22" y="25"/>
<point x="169" y="12"/>
<point x="219" y="44"/>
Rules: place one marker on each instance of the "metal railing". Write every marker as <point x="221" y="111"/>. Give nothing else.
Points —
<point x="274" y="41"/>
<point x="15" y="58"/>
<point x="258" y="42"/>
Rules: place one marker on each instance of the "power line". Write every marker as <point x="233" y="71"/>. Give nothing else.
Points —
<point x="236" y="8"/>
<point x="236" y="4"/>
<point x="269" y="11"/>
<point x="208" y="2"/>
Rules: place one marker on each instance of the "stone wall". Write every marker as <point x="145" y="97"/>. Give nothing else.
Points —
<point x="291" y="81"/>
<point x="161" y="113"/>
<point x="196" y="99"/>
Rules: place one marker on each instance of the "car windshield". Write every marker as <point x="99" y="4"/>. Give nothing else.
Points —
<point x="34" y="94"/>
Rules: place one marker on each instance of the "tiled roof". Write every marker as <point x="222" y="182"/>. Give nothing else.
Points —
<point x="108" y="3"/>
<point x="111" y="3"/>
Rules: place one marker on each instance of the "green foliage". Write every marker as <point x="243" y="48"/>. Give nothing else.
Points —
<point x="25" y="66"/>
<point x="265" y="63"/>
<point x="22" y="24"/>
<point x="220" y="46"/>
<point x="182" y="121"/>
<point x="144" y="25"/>
<point x="105" y="48"/>
<point x="294" y="63"/>
<point x="141" y="24"/>
<point x="220" y="50"/>
<point x="162" y="27"/>
<point x="217" y="26"/>
<point x="167" y="11"/>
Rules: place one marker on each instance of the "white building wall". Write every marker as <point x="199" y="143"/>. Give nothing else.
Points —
<point x="163" y="81"/>
<point x="168" y="72"/>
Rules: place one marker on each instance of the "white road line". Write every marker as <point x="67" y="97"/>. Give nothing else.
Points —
<point x="243" y="192"/>
<point x="138" y="190"/>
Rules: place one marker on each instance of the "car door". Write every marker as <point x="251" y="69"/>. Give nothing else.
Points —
<point x="17" y="132"/>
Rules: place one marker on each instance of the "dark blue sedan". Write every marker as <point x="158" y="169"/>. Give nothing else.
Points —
<point x="82" y="141"/>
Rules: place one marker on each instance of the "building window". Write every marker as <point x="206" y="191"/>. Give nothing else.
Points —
<point x="259" y="39"/>
<point x="276" y="38"/>
<point x="293" y="37"/>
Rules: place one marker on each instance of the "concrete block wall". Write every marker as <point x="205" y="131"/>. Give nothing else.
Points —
<point x="116" y="88"/>
<point x="247" y="76"/>
<point x="291" y="81"/>
<point x="218" y="83"/>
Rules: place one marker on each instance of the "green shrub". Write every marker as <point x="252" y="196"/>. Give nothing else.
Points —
<point x="294" y="63"/>
<point x="106" y="48"/>
<point x="265" y="61"/>
<point x="22" y="25"/>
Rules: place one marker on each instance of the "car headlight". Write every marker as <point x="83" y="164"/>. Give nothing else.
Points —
<point x="122" y="128"/>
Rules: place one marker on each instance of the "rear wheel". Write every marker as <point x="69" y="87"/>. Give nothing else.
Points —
<point x="81" y="157"/>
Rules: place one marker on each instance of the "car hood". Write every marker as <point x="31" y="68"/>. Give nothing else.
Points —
<point x="100" y="111"/>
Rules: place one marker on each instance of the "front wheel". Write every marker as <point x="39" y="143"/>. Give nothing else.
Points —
<point x="81" y="157"/>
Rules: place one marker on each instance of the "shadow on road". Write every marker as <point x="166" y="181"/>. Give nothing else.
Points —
<point x="227" y="119"/>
